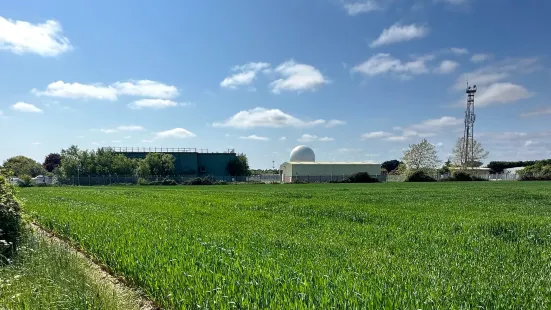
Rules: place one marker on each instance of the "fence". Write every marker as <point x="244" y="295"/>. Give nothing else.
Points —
<point x="117" y="179"/>
<point x="441" y="177"/>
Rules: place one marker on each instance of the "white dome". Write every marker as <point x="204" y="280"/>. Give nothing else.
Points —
<point x="302" y="153"/>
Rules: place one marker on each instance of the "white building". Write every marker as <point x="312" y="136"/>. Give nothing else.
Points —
<point x="302" y="166"/>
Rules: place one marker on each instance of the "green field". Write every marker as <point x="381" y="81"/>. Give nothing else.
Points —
<point x="392" y="245"/>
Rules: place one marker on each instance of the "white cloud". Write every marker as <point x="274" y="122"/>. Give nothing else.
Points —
<point x="254" y="137"/>
<point x="334" y="122"/>
<point x="130" y="128"/>
<point x="147" y="141"/>
<point x="446" y="66"/>
<point x="152" y="104"/>
<point x="362" y="7"/>
<point x="146" y="88"/>
<point x="437" y="124"/>
<point x="245" y="74"/>
<point x="459" y="51"/>
<point x="282" y="138"/>
<point x="348" y="150"/>
<point x="495" y="73"/>
<point x="326" y="139"/>
<point x="175" y="133"/>
<point x="22" y="37"/>
<point x="297" y="77"/>
<point x="309" y="138"/>
<point x="480" y="57"/>
<point x="400" y="33"/>
<point x="127" y="137"/>
<point x="261" y="117"/>
<point x="26" y="107"/>
<point x="396" y="138"/>
<point x="501" y="93"/>
<point x="425" y="129"/>
<point x="543" y="111"/>
<point x="78" y="91"/>
<point x="385" y="63"/>
<point x="142" y="88"/>
<point x="375" y="135"/>
<point x="37" y="143"/>
<point x="122" y="128"/>
<point x="116" y="141"/>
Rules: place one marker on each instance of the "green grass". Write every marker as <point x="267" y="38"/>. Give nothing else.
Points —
<point x="46" y="275"/>
<point x="393" y="245"/>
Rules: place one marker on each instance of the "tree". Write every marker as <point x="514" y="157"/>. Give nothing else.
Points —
<point x="158" y="164"/>
<point x="52" y="161"/>
<point x="474" y="158"/>
<point x="390" y="165"/>
<point x="21" y="165"/>
<point x="238" y="166"/>
<point x="446" y="167"/>
<point x="421" y="156"/>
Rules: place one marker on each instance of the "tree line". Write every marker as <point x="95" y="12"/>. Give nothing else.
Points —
<point x="73" y="162"/>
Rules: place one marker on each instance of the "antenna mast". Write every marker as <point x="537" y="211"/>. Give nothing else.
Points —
<point x="468" y="136"/>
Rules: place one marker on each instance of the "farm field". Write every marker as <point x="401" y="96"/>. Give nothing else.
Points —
<point x="369" y="246"/>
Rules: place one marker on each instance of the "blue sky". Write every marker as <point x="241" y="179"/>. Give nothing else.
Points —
<point x="355" y="80"/>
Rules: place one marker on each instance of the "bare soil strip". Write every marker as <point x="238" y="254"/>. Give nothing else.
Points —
<point x="100" y="274"/>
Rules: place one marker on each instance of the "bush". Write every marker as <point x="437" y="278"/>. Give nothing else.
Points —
<point x="25" y="181"/>
<point x="168" y="181"/>
<point x="142" y="181"/>
<point x="10" y="220"/>
<point x="361" y="177"/>
<point x="220" y="183"/>
<point x="419" y="176"/>
<point x="461" y="176"/>
<point x="200" y="181"/>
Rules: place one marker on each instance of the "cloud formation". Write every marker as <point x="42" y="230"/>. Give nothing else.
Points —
<point x="446" y="66"/>
<point x="25" y="107"/>
<point x="385" y="63"/>
<point x="254" y="137"/>
<point x="309" y="138"/>
<point x="297" y="77"/>
<point x="361" y="7"/>
<point x="141" y="88"/>
<point x="245" y="74"/>
<point x="261" y="117"/>
<point x="22" y="37"/>
<point x="400" y="33"/>
<point x="152" y="104"/>
<point x="542" y="111"/>
<point x="179" y="133"/>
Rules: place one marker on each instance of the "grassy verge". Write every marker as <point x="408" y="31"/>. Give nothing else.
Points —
<point x="46" y="275"/>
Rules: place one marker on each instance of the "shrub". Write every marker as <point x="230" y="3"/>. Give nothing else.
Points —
<point x="361" y="177"/>
<point x="25" y="181"/>
<point x="168" y="181"/>
<point x="419" y="176"/>
<point x="10" y="220"/>
<point x="142" y="181"/>
<point x="220" y="183"/>
<point x="200" y="181"/>
<point x="461" y="176"/>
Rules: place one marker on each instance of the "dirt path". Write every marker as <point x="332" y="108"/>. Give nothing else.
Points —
<point x="133" y="297"/>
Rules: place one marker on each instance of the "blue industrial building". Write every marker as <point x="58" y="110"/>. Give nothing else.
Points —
<point x="188" y="161"/>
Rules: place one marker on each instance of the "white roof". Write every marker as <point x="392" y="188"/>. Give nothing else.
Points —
<point x="329" y="163"/>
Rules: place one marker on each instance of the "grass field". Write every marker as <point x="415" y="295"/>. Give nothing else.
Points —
<point x="393" y="245"/>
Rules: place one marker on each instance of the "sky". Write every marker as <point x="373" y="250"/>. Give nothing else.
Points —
<point x="356" y="80"/>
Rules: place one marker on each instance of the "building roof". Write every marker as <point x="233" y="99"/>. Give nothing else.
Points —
<point x="476" y="168"/>
<point x="329" y="163"/>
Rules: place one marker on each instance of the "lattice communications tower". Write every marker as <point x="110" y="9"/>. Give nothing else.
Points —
<point x="468" y="135"/>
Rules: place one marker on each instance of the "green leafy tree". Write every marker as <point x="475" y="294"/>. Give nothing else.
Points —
<point x="238" y="166"/>
<point x="421" y="156"/>
<point x="21" y="165"/>
<point x="51" y="162"/>
<point x="156" y="164"/>
<point x="391" y="165"/>
<point x="10" y="220"/>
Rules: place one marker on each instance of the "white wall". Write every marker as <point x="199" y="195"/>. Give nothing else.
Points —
<point x="315" y="170"/>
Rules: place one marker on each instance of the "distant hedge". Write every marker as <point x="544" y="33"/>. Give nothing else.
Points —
<point x="419" y="176"/>
<point x="499" y="166"/>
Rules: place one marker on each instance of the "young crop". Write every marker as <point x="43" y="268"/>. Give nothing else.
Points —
<point x="344" y="246"/>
